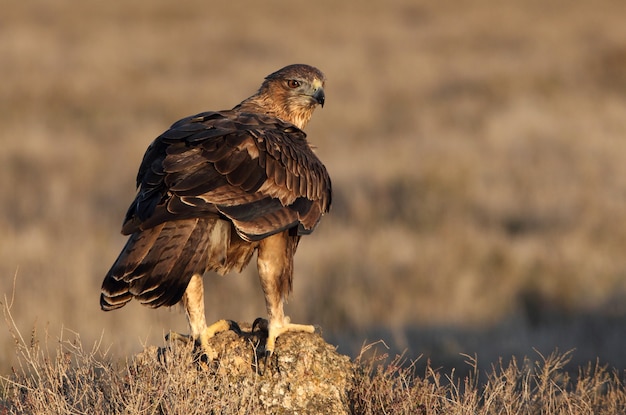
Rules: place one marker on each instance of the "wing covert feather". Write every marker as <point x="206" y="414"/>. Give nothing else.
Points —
<point x="253" y="169"/>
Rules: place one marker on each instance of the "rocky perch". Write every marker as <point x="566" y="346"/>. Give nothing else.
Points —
<point x="305" y="375"/>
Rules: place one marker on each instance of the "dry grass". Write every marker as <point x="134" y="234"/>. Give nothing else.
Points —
<point x="532" y="387"/>
<point x="477" y="152"/>
<point x="75" y="380"/>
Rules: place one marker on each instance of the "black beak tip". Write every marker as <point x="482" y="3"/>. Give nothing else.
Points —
<point x="320" y="97"/>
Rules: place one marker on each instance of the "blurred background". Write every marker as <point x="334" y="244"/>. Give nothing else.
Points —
<point x="477" y="150"/>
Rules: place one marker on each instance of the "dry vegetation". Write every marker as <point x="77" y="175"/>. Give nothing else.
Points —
<point x="477" y="151"/>
<point x="75" y="380"/>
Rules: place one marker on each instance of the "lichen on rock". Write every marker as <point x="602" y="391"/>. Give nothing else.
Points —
<point x="305" y="375"/>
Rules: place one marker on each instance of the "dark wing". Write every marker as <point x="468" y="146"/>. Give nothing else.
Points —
<point x="255" y="170"/>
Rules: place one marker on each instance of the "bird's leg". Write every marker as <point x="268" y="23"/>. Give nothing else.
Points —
<point x="275" y="265"/>
<point x="193" y="301"/>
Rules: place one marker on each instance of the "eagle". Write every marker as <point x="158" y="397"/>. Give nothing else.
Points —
<point x="217" y="187"/>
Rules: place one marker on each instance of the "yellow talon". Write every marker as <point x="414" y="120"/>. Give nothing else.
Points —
<point x="276" y="330"/>
<point x="203" y="339"/>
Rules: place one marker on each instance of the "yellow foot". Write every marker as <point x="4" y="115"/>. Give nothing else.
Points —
<point x="202" y="341"/>
<point x="274" y="330"/>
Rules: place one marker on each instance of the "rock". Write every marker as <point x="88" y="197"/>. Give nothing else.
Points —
<point x="305" y="375"/>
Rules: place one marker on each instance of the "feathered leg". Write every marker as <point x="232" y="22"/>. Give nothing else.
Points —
<point x="275" y="266"/>
<point x="193" y="301"/>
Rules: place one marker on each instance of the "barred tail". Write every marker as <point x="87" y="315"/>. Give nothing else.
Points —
<point x="157" y="264"/>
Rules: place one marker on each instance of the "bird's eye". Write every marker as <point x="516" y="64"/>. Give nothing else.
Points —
<point x="292" y="83"/>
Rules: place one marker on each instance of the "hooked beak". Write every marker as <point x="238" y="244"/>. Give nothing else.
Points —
<point x="319" y="96"/>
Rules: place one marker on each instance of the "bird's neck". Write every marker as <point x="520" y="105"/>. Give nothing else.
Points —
<point x="265" y="104"/>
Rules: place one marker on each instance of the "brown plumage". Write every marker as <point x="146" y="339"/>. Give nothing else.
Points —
<point x="215" y="188"/>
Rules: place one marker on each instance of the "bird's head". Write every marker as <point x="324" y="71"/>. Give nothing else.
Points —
<point x="292" y="93"/>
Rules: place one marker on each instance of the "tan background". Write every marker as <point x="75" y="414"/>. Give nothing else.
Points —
<point x="477" y="149"/>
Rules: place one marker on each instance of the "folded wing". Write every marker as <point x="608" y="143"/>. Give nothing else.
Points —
<point x="255" y="170"/>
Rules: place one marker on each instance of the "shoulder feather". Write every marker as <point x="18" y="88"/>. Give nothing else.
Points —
<point x="253" y="169"/>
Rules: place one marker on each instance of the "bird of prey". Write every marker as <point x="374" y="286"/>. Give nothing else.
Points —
<point x="216" y="187"/>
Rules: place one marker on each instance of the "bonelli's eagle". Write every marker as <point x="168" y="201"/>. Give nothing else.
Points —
<point x="215" y="188"/>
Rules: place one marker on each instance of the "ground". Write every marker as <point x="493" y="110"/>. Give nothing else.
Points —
<point x="476" y="152"/>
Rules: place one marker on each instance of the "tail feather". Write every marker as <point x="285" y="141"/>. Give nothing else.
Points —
<point x="115" y="287"/>
<point x="114" y="294"/>
<point x="192" y="259"/>
<point x="138" y="246"/>
<point x="154" y="269"/>
<point x="155" y="265"/>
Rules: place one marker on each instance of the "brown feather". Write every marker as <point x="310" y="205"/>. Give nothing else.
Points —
<point x="213" y="187"/>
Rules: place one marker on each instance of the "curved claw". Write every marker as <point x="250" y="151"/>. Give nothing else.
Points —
<point x="261" y="323"/>
<point x="277" y="330"/>
<point x="318" y="329"/>
<point x="233" y="326"/>
<point x="274" y="330"/>
<point x="202" y="341"/>
<point x="172" y="336"/>
<point x="210" y="332"/>
<point x="266" y="356"/>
